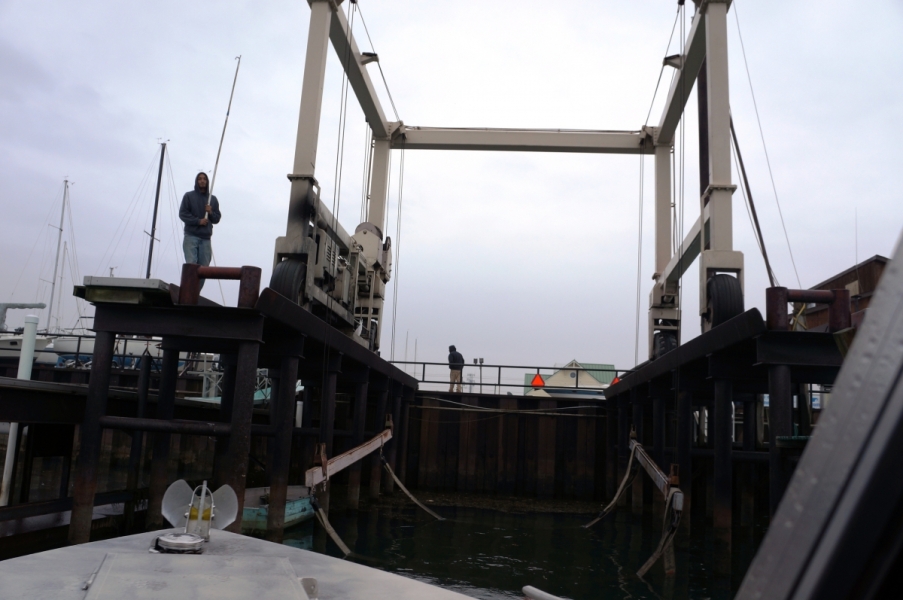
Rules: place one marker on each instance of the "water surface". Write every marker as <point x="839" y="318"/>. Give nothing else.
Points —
<point x="491" y="555"/>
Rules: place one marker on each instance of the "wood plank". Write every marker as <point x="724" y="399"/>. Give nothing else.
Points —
<point x="336" y="464"/>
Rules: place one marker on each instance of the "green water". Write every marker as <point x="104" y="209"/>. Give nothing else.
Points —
<point x="491" y="555"/>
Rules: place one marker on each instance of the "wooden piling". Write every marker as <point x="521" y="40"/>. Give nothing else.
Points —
<point x="159" y="477"/>
<point x="358" y="419"/>
<point x="137" y="444"/>
<point x="90" y="440"/>
<point x="391" y="450"/>
<point x="282" y="419"/>
<point x="611" y="448"/>
<point x="748" y="471"/>
<point x="236" y="471"/>
<point x="780" y="420"/>
<point x="623" y="442"/>
<point x="723" y="480"/>
<point x="376" y="469"/>
<point x="658" y="446"/>
<point x="227" y="394"/>
<point x="636" y="492"/>
<point x="685" y="427"/>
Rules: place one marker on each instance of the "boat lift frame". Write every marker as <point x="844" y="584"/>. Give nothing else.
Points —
<point x="710" y="238"/>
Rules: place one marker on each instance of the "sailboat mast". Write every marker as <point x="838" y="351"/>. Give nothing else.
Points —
<point x="56" y="262"/>
<point x="153" y="232"/>
<point x="59" y="299"/>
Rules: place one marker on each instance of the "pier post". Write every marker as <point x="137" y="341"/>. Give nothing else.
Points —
<point x="658" y="444"/>
<point x="404" y="433"/>
<point x="636" y="493"/>
<point x="159" y="475"/>
<point x="236" y="470"/>
<point x="358" y="419"/>
<point x="227" y="395"/>
<point x="780" y="420"/>
<point x="90" y="435"/>
<point x="392" y="448"/>
<point x="623" y="441"/>
<point x="709" y="411"/>
<point x="747" y="470"/>
<point x="723" y="481"/>
<point x="333" y="367"/>
<point x="684" y="446"/>
<point x="282" y="419"/>
<point x="134" y="467"/>
<point x="382" y="394"/>
<point x="611" y="447"/>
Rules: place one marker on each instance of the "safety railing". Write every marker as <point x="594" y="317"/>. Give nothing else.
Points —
<point x="484" y="378"/>
<point x="128" y="352"/>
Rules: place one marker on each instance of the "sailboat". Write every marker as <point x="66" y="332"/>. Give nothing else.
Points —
<point x="10" y="345"/>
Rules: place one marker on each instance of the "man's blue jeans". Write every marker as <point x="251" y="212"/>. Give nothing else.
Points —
<point x="198" y="251"/>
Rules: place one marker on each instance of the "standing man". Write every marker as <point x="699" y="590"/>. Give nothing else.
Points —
<point x="455" y="365"/>
<point x="199" y="211"/>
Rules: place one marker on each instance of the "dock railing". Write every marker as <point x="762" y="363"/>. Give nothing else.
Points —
<point x="510" y="379"/>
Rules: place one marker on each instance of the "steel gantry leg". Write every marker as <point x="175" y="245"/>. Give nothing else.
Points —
<point x="302" y="177"/>
<point x="371" y="235"/>
<point x="717" y="253"/>
<point x="664" y="311"/>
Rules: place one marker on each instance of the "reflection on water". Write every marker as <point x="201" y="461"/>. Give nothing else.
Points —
<point x="492" y="555"/>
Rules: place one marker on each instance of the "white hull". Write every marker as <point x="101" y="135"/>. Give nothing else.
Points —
<point x="10" y="345"/>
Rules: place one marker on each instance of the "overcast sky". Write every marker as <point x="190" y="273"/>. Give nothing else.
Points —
<point x="516" y="258"/>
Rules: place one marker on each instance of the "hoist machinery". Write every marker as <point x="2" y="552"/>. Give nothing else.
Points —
<point x="343" y="277"/>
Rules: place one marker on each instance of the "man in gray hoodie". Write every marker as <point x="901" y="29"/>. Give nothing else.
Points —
<point x="455" y="366"/>
<point x="199" y="211"/>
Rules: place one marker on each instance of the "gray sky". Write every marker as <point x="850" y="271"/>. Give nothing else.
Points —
<point x="518" y="258"/>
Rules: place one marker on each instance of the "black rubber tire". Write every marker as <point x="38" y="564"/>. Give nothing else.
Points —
<point x="663" y="342"/>
<point x="725" y="298"/>
<point x="289" y="278"/>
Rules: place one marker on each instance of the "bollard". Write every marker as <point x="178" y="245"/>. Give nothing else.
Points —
<point x="26" y="360"/>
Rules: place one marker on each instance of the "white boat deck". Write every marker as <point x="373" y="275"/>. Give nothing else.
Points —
<point x="62" y="573"/>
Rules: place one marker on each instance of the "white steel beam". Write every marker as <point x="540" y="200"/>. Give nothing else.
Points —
<point x="379" y="186"/>
<point x="316" y="475"/>
<point x="662" y="207"/>
<point x="304" y="166"/>
<point x="718" y="195"/>
<point x="682" y="85"/>
<point x="350" y="57"/>
<point x="686" y="254"/>
<point x="312" y="90"/>
<point x="522" y="140"/>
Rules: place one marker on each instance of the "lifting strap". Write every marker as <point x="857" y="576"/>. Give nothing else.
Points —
<point x="324" y="521"/>
<point x="405" y="490"/>
<point x="628" y="477"/>
<point x="669" y="529"/>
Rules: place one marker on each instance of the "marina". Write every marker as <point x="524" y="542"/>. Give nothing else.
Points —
<point x="245" y="428"/>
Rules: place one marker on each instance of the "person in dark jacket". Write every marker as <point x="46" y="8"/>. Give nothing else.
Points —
<point x="199" y="211"/>
<point x="455" y="365"/>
